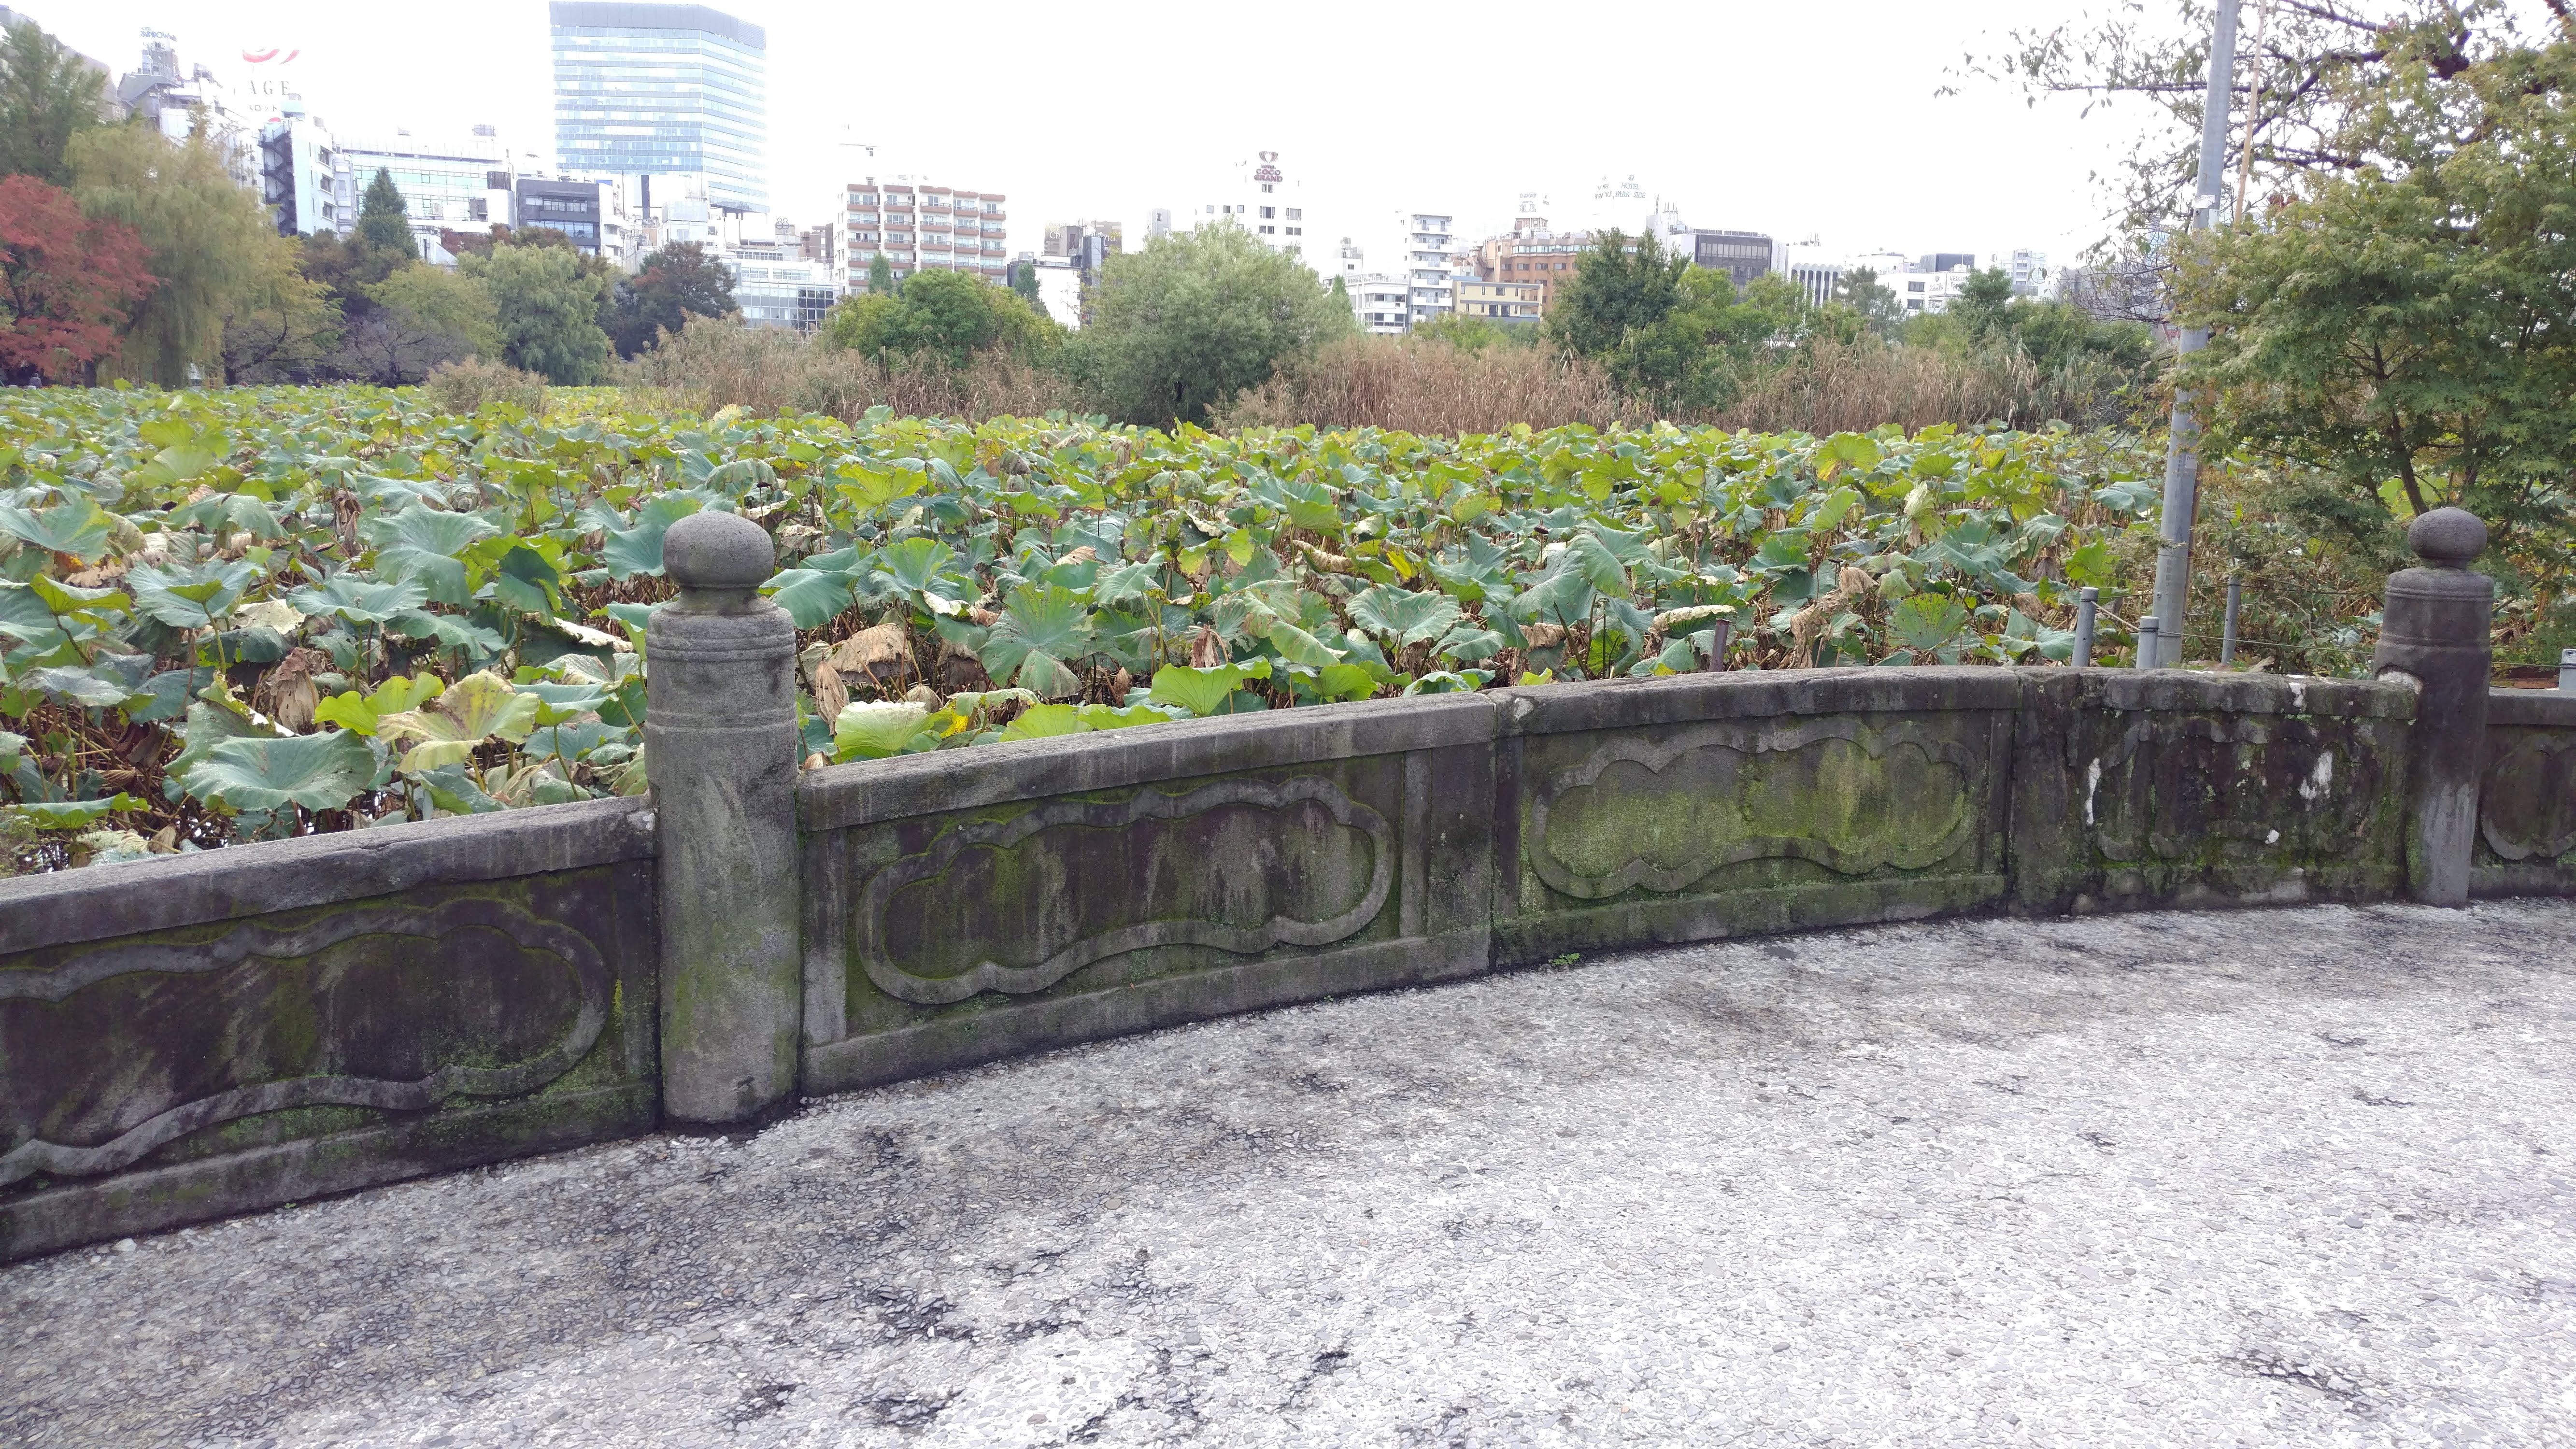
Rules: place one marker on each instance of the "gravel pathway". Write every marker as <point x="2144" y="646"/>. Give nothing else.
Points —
<point x="2290" y="1177"/>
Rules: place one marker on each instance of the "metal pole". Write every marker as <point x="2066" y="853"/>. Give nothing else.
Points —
<point x="2147" y="635"/>
<point x="1717" y="632"/>
<point x="2087" y="604"/>
<point x="2235" y="601"/>
<point x="2182" y="455"/>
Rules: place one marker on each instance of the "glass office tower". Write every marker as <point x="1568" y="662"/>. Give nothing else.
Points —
<point x="679" y="93"/>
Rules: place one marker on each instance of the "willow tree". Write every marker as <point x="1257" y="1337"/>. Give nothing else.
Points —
<point x="210" y="240"/>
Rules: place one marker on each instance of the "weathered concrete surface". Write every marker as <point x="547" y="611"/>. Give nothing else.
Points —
<point x="2304" y="1176"/>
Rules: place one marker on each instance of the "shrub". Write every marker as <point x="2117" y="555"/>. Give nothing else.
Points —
<point x="1422" y="385"/>
<point x="465" y="387"/>
<point x="712" y="363"/>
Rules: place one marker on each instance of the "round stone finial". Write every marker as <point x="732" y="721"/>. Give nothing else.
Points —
<point x="2447" y="537"/>
<point x="712" y="550"/>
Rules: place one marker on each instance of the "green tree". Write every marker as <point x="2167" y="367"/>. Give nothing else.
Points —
<point x="880" y="276"/>
<point x="1982" y="304"/>
<point x="210" y="239"/>
<point x="1640" y="311"/>
<point x="548" y="304"/>
<point x="384" y="221"/>
<point x="1871" y="301"/>
<point x="942" y="315"/>
<point x="1024" y="280"/>
<point x="1194" y="319"/>
<point x="47" y="96"/>
<point x="671" y="285"/>
<point x="2403" y="325"/>
<point x="282" y="325"/>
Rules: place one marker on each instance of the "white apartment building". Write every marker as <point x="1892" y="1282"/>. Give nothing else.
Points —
<point x="299" y="172"/>
<point x="1382" y="304"/>
<point x="1260" y="197"/>
<point x="1429" y="267"/>
<point x="921" y="227"/>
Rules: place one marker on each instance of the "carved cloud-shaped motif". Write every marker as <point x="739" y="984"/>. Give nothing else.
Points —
<point x="366" y="934"/>
<point x="1832" y="791"/>
<point x="1241" y="865"/>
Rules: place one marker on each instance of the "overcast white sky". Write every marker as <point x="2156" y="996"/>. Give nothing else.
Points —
<point x="1816" y="118"/>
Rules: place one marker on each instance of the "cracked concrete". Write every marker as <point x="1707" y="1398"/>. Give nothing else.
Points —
<point x="2301" y="1176"/>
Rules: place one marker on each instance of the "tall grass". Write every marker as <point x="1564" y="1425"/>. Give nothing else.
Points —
<point x="1421" y="385"/>
<point x="713" y="365"/>
<point x="1831" y="386"/>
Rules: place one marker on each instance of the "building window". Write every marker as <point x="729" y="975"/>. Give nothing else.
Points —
<point x="1265" y="188"/>
<point x="1269" y="213"/>
<point x="1296" y="231"/>
<point x="1296" y="213"/>
<point x="1267" y="230"/>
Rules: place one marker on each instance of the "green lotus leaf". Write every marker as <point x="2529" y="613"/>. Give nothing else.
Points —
<point x="76" y="527"/>
<point x="191" y="596"/>
<point x="77" y="814"/>
<point x="361" y="713"/>
<point x="476" y="708"/>
<point x="811" y="597"/>
<point x="1402" y="615"/>
<point x="319" y="771"/>
<point x="360" y="601"/>
<point x="875" y="729"/>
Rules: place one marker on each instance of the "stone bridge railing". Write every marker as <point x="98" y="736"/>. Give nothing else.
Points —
<point x="192" y="1036"/>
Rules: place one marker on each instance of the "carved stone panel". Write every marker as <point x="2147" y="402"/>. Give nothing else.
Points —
<point x="2175" y="788"/>
<point x="1838" y="792"/>
<point x="939" y="940"/>
<point x="2526" y="842"/>
<point x="2527" y="808"/>
<point x="2181" y="788"/>
<point x="1016" y="905"/>
<point x="210" y="1049"/>
<point x="1687" y="831"/>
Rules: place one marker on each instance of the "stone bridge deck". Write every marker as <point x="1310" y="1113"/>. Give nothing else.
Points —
<point x="2304" y="1176"/>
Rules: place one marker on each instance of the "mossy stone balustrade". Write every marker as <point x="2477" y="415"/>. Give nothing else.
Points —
<point x="192" y="1036"/>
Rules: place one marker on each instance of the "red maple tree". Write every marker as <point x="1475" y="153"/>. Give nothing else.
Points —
<point x="68" y="282"/>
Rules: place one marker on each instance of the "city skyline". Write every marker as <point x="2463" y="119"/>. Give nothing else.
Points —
<point x="1974" y="171"/>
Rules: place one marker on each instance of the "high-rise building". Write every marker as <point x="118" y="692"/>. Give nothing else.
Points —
<point x="675" y="96"/>
<point x="924" y="228"/>
<point x="299" y="172"/>
<point x="1426" y="267"/>
<point x="1261" y="198"/>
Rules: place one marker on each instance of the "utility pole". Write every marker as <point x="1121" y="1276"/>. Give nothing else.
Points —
<point x="2182" y="455"/>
